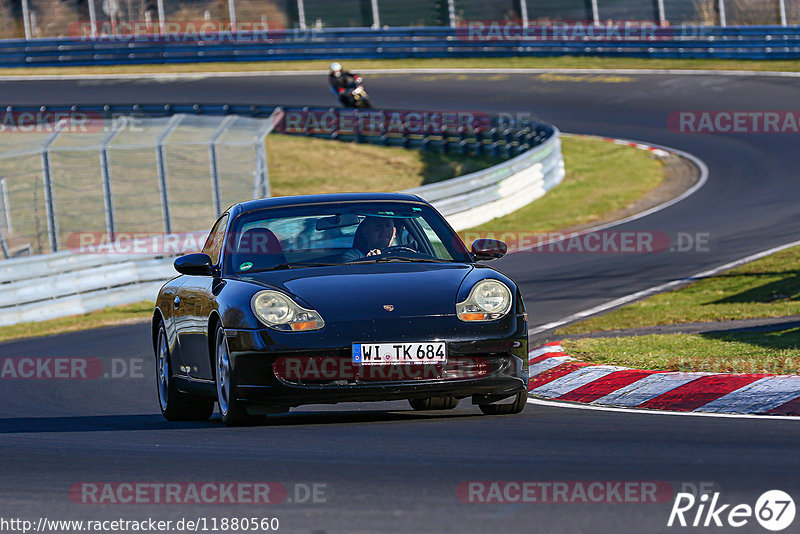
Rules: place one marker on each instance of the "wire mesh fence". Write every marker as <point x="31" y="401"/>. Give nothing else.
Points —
<point x="97" y="18"/>
<point x="92" y="177"/>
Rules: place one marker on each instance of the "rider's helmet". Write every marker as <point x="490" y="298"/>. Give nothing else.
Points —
<point x="336" y="69"/>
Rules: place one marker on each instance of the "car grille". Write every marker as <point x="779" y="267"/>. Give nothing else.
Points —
<point x="340" y="371"/>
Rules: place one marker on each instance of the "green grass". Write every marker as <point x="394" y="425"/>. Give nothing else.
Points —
<point x="301" y="165"/>
<point x="560" y="62"/>
<point x="601" y="179"/>
<point x="732" y="352"/>
<point x="109" y="316"/>
<point x="769" y="287"/>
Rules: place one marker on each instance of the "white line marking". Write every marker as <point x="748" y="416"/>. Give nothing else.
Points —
<point x="757" y="397"/>
<point x="249" y="74"/>
<point x="657" y="289"/>
<point x="574" y="380"/>
<point x="546" y="365"/>
<point x="541" y="351"/>
<point x="640" y="294"/>
<point x="692" y="190"/>
<point x="575" y="406"/>
<point x="647" y="388"/>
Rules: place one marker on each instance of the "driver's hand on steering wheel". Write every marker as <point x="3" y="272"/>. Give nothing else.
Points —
<point x="374" y="252"/>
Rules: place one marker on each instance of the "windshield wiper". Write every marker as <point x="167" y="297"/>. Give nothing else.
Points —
<point x="282" y="266"/>
<point x="390" y="259"/>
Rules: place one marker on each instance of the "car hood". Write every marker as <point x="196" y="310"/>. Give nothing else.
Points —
<point x="360" y="292"/>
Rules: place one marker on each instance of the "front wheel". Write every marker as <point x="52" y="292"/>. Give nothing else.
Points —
<point x="520" y="401"/>
<point x="175" y="404"/>
<point x="231" y="409"/>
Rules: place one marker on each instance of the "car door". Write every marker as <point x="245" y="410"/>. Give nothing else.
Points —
<point x="195" y="302"/>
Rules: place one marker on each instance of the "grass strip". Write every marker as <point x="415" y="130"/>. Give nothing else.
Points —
<point x="769" y="287"/>
<point x="775" y="352"/>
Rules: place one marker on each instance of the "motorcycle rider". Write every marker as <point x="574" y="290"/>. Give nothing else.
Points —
<point x="342" y="82"/>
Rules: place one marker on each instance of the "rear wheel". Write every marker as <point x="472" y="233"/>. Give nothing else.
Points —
<point x="176" y="405"/>
<point x="233" y="412"/>
<point x="434" y="403"/>
<point x="520" y="401"/>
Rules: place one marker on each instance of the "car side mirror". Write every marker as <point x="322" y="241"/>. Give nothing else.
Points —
<point x="198" y="264"/>
<point x="488" y="249"/>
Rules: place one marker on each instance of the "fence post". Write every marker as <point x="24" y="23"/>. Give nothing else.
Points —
<point x="301" y="14"/>
<point x="4" y="245"/>
<point x="26" y="19"/>
<point x="662" y="15"/>
<point x="216" y="191"/>
<point x="722" y="19"/>
<point x="105" y="172"/>
<point x="376" y="16"/>
<point x="52" y="227"/>
<point x="782" y="7"/>
<point x="92" y="19"/>
<point x="232" y="14"/>
<point x="6" y="205"/>
<point x="523" y="7"/>
<point x="162" y="170"/>
<point x="261" y="187"/>
<point x="595" y="13"/>
<point x="451" y="11"/>
<point x="162" y="30"/>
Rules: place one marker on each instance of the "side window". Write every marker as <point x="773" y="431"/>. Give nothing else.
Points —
<point x="213" y="246"/>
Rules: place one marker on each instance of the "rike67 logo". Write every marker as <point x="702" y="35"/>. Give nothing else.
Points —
<point x="774" y="510"/>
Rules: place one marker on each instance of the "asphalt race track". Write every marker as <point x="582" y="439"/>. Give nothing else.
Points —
<point x="382" y="467"/>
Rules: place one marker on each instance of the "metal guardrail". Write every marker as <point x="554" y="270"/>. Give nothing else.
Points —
<point x="64" y="283"/>
<point x="743" y="42"/>
<point x="477" y="198"/>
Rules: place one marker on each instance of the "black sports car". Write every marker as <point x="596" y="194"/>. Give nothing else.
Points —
<point x="338" y="298"/>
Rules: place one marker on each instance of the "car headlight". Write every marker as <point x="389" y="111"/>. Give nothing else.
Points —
<point x="278" y="311"/>
<point x="488" y="300"/>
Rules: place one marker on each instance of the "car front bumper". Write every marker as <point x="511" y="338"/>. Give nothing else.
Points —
<point x="487" y="362"/>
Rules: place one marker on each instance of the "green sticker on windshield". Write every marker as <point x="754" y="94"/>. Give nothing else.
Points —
<point x="246" y="265"/>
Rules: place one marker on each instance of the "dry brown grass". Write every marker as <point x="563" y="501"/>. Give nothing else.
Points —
<point x="742" y="12"/>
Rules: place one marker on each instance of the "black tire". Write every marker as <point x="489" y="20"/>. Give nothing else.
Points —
<point x="517" y="406"/>
<point x="233" y="412"/>
<point x="176" y="405"/>
<point x="434" y="403"/>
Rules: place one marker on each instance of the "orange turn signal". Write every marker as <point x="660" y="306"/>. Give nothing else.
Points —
<point x="472" y="317"/>
<point x="304" y="325"/>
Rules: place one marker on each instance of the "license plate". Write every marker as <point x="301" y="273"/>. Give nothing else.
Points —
<point x="392" y="353"/>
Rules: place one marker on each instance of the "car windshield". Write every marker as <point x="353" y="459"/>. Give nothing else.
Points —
<point x="337" y="234"/>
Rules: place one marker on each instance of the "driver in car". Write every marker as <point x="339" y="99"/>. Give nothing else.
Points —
<point x="379" y="233"/>
<point x="372" y="237"/>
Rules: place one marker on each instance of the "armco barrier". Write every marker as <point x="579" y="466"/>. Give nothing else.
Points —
<point x="65" y="283"/>
<point x="732" y="42"/>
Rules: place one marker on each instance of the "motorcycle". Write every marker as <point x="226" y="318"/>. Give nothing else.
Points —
<point x="355" y="96"/>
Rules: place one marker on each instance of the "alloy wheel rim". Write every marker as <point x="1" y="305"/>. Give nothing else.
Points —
<point x="223" y="376"/>
<point x="163" y="370"/>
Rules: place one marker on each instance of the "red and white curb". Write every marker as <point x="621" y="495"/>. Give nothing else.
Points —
<point x="556" y="375"/>
<point x="656" y="151"/>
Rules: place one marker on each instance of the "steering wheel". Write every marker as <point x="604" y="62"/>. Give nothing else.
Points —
<point x="398" y="248"/>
